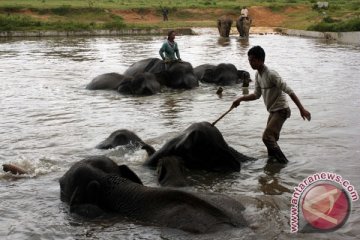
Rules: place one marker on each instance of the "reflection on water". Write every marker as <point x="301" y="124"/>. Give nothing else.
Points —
<point x="224" y="41"/>
<point x="49" y="121"/>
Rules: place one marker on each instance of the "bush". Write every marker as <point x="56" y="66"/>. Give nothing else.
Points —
<point x="343" y="26"/>
<point x="62" y="11"/>
<point x="14" y="22"/>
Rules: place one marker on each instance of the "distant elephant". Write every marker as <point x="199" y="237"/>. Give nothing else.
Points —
<point x="139" y="84"/>
<point x="243" y="26"/>
<point x="124" y="137"/>
<point x="200" y="146"/>
<point x="224" y="26"/>
<point x="222" y="74"/>
<point x="93" y="186"/>
<point x="175" y="74"/>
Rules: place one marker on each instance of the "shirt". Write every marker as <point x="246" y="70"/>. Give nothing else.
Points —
<point x="170" y="50"/>
<point x="244" y="12"/>
<point x="271" y="86"/>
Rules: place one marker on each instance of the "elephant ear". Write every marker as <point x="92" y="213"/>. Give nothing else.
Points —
<point x="127" y="173"/>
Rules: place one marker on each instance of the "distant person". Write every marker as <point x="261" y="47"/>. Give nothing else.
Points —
<point x="270" y="85"/>
<point x="244" y="13"/>
<point x="170" y="48"/>
<point x="165" y="13"/>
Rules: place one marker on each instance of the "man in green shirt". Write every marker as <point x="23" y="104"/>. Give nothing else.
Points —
<point x="170" y="48"/>
<point x="270" y="85"/>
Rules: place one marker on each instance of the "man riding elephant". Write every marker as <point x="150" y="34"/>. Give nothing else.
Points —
<point x="170" y="48"/>
<point x="243" y="25"/>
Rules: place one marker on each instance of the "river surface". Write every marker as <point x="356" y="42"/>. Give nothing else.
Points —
<point x="49" y="121"/>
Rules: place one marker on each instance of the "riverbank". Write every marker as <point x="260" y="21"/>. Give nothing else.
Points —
<point x="341" y="37"/>
<point x="52" y="15"/>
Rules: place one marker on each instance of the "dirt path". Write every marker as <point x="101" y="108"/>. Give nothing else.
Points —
<point x="262" y="17"/>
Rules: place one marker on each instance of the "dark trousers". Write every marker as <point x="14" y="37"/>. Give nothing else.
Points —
<point x="272" y="133"/>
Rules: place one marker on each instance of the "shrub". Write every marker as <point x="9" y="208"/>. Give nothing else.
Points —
<point x="343" y="26"/>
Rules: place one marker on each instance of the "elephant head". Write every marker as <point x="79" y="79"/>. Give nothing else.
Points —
<point x="79" y="186"/>
<point x="103" y="186"/>
<point x="222" y="74"/>
<point x="140" y="84"/>
<point x="243" y="26"/>
<point x="124" y="137"/>
<point x="224" y="26"/>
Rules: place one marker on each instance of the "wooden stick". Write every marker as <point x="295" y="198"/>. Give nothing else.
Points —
<point x="222" y="116"/>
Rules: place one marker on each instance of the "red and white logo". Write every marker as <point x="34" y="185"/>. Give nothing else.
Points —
<point x="325" y="206"/>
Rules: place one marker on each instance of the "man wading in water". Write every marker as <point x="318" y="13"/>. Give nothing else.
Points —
<point x="270" y="85"/>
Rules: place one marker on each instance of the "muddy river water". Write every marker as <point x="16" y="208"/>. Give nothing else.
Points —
<point x="49" y="121"/>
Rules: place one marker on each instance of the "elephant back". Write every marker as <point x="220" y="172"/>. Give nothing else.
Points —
<point x="107" y="81"/>
<point x="152" y="65"/>
<point x="179" y="75"/>
<point x="201" y="146"/>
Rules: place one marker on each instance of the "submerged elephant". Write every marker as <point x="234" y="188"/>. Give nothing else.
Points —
<point x="200" y="146"/>
<point x="222" y="74"/>
<point x="175" y="74"/>
<point x="243" y="26"/>
<point x="124" y="137"/>
<point x="97" y="185"/>
<point x="138" y="84"/>
<point x="224" y="26"/>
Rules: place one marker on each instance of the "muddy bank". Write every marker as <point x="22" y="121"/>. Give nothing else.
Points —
<point x="122" y="32"/>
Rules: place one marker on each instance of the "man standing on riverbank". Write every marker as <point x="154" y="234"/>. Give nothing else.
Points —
<point x="270" y="85"/>
<point x="165" y="13"/>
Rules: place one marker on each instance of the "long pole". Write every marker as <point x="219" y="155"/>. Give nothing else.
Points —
<point x="222" y="116"/>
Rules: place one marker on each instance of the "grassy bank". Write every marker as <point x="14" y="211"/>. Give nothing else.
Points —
<point x="342" y="15"/>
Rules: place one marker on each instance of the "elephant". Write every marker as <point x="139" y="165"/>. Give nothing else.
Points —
<point x="224" y="25"/>
<point x="107" y="81"/>
<point x="97" y="185"/>
<point x="222" y="74"/>
<point x="139" y="84"/>
<point x="200" y="146"/>
<point x="124" y="137"/>
<point x="174" y="74"/>
<point x="243" y="26"/>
